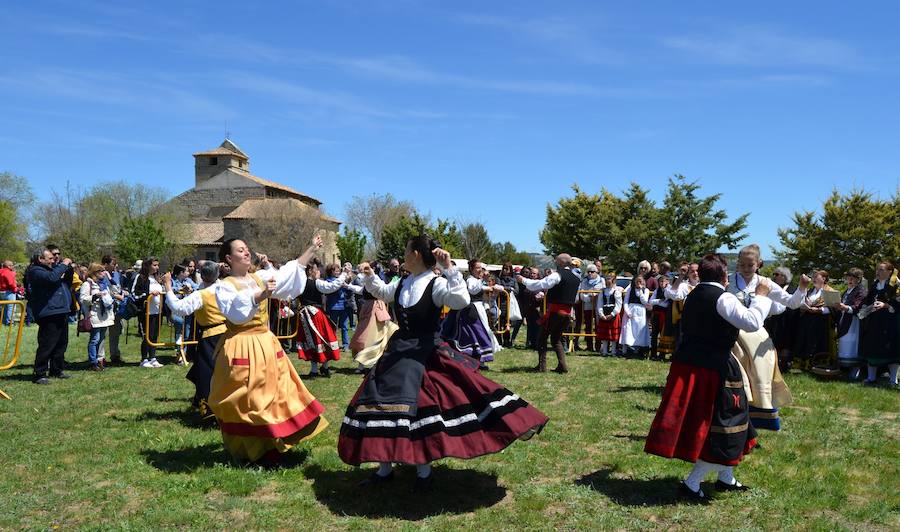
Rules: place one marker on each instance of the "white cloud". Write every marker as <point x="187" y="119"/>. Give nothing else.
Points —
<point x="766" y="47"/>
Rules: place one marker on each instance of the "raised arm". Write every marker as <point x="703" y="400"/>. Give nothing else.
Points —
<point x="451" y="290"/>
<point x="186" y="306"/>
<point x="290" y="279"/>
<point x="536" y="285"/>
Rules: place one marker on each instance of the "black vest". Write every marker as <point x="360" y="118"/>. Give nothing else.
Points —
<point x="566" y="292"/>
<point x="367" y="296"/>
<point x="423" y="319"/>
<point x="706" y="338"/>
<point x="311" y="295"/>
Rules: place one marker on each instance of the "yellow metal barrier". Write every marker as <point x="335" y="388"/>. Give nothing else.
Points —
<point x="573" y="335"/>
<point x="505" y="327"/>
<point x="159" y="327"/>
<point x="8" y="360"/>
<point x="282" y="327"/>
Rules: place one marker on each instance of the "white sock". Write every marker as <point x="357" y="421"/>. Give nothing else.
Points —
<point x="854" y="374"/>
<point x="727" y="476"/>
<point x="873" y="374"/>
<point x="701" y="469"/>
<point x="384" y="468"/>
<point x="314" y="367"/>
<point x="422" y="471"/>
<point x="892" y="368"/>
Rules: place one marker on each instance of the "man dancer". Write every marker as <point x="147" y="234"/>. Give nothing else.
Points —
<point x="562" y="291"/>
<point x="210" y="325"/>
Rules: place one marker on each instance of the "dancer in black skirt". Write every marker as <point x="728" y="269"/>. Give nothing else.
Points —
<point x="424" y="401"/>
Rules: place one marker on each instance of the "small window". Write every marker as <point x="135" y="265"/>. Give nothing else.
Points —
<point x="213" y="161"/>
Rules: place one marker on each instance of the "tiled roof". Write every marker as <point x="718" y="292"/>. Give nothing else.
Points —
<point x="260" y="207"/>
<point x="203" y="233"/>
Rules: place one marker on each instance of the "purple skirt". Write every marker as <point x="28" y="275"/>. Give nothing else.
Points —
<point x="463" y="330"/>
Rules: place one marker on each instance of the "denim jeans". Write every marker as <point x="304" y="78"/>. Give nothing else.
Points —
<point x="97" y="335"/>
<point x="8" y="309"/>
<point x="341" y="317"/>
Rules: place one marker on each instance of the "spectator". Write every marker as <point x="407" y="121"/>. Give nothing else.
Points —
<point x="530" y="306"/>
<point x="848" y="322"/>
<point x="393" y="271"/>
<point x="182" y="285"/>
<point x="635" y="331"/>
<point x="193" y="276"/>
<point x="508" y="281"/>
<point x="337" y="302"/>
<point x="813" y="326"/>
<point x="29" y="313"/>
<point x="114" y="283"/>
<point x="146" y="291"/>
<point x="8" y="289"/>
<point x="51" y="300"/>
<point x="878" y="343"/>
<point x="591" y="282"/>
<point x="609" y="309"/>
<point x="97" y="305"/>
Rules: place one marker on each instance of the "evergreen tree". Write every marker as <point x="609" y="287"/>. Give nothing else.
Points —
<point x="351" y="245"/>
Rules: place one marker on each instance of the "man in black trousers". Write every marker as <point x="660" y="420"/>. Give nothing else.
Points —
<point x="51" y="302"/>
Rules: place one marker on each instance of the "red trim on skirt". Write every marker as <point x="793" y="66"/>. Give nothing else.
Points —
<point x="310" y="347"/>
<point x="277" y="430"/>
<point x="685" y="415"/>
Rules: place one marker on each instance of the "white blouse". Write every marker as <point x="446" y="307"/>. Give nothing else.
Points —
<point x="449" y="290"/>
<point x="238" y="306"/>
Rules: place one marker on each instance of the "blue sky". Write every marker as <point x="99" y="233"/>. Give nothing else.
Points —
<point x="482" y="111"/>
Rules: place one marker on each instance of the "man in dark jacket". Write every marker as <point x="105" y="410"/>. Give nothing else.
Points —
<point x="51" y="302"/>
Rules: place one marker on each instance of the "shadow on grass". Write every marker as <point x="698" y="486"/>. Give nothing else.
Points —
<point x="207" y="456"/>
<point x="455" y="491"/>
<point x="188" y="417"/>
<point x="648" y="388"/>
<point x="346" y="371"/>
<point x="516" y="369"/>
<point x="631" y="492"/>
<point x="631" y="437"/>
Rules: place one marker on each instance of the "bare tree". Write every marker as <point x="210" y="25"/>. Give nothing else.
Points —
<point x="371" y="214"/>
<point x="282" y="234"/>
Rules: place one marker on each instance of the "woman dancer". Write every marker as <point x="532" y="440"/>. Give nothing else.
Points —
<point x="424" y="401"/>
<point x="372" y="332"/>
<point x="316" y="339"/>
<point x="468" y="330"/>
<point x="262" y="407"/>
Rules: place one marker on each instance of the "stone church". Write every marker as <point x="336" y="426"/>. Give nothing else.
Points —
<point x="226" y="197"/>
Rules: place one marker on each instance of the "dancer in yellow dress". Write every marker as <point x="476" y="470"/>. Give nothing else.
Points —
<point x="262" y="407"/>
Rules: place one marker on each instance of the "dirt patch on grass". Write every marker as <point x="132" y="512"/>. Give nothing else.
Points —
<point x="267" y="493"/>
<point x="560" y="397"/>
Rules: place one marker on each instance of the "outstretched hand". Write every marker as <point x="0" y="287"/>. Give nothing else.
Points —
<point x="442" y="257"/>
<point x="167" y="281"/>
<point x="317" y="242"/>
<point x="804" y="282"/>
<point x="365" y="269"/>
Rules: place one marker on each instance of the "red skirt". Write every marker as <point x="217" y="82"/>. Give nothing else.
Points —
<point x="316" y="341"/>
<point x="685" y="416"/>
<point x="460" y="414"/>
<point x="609" y="330"/>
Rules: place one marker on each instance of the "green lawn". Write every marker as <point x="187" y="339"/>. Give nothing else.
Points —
<point x="122" y="449"/>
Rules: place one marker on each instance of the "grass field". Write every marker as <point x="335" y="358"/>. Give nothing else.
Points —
<point x="122" y="449"/>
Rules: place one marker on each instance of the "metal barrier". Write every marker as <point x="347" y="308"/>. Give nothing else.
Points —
<point x="573" y="335"/>
<point x="282" y="326"/>
<point x="172" y="343"/>
<point x="8" y="360"/>
<point x="506" y="327"/>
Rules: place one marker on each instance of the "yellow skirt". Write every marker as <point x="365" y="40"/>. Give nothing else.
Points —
<point x="257" y="397"/>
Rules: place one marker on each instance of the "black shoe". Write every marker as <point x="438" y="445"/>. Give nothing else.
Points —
<point x="375" y="480"/>
<point x="721" y="486"/>
<point x="41" y="380"/>
<point x="116" y="361"/>
<point x="560" y="370"/>
<point x="483" y="367"/>
<point x="311" y="375"/>
<point x="689" y="494"/>
<point x="325" y="372"/>
<point x="423" y="485"/>
<point x="61" y="375"/>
